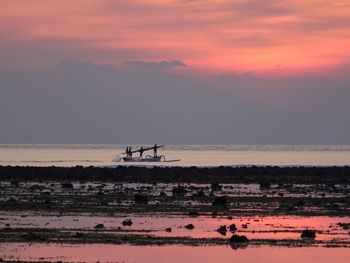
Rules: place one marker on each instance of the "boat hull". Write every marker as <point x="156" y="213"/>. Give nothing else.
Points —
<point x="150" y="159"/>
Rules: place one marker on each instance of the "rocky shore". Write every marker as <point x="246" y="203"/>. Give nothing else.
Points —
<point x="258" y="206"/>
<point x="254" y="174"/>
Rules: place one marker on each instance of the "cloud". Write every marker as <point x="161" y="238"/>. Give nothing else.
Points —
<point x="239" y="35"/>
<point x="84" y="102"/>
<point x="164" y="64"/>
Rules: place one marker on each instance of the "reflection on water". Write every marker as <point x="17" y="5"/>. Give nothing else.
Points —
<point x="254" y="227"/>
<point x="169" y="254"/>
<point x="199" y="155"/>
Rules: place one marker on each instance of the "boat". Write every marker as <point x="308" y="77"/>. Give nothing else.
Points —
<point x="149" y="158"/>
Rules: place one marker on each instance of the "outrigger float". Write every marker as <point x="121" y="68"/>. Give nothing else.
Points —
<point x="149" y="158"/>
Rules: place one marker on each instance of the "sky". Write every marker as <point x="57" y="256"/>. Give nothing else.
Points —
<point x="175" y="71"/>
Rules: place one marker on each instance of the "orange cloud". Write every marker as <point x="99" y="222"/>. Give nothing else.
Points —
<point x="223" y="35"/>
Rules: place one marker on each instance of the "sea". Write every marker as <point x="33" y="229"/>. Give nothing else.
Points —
<point x="109" y="155"/>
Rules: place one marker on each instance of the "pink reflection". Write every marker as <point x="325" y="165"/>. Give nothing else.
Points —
<point x="169" y="254"/>
<point x="276" y="227"/>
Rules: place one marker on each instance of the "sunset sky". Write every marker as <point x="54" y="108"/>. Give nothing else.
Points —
<point x="208" y="36"/>
<point x="186" y="71"/>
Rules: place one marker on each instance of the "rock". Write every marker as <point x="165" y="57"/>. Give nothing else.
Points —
<point x="216" y="187"/>
<point x="189" y="226"/>
<point x="46" y="193"/>
<point x="79" y="235"/>
<point x="14" y="183"/>
<point x="239" y="239"/>
<point x="335" y="206"/>
<point x="168" y="229"/>
<point x="30" y="236"/>
<point x="36" y="187"/>
<point x="193" y="213"/>
<point x="199" y="194"/>
<point x="127" y="222"/>
<point x="300" y="203"/>
<point x="232" y="228"/>
<point x="220" y="201"/>
<point x="99" y="226"/>
<point x="104" y="203"/>
<point x="13" y="200"/>
<point x="179" y="190"/>
<point x="222" y="230"/>
<point x="265" y="184"/>
<point x="67" y="185"/>
<point x="308" y="233"/>
<point x="291" y="208"/>
<point x="140" y="199"/>
<point x="344" y="226"/>
<point x="162" y="194"/>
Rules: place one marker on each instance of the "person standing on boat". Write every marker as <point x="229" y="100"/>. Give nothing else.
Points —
<point x="130" y="152"/>
<point x="127" y="151"/>
<point x="141" y="151"/>
<point x="155" y="150"/>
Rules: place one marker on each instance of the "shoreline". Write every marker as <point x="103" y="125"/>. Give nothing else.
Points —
<point x="222" y="174"/>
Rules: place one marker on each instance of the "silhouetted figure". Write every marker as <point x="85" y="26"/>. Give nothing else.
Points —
<point x="141" y="151"/>
<point x="155" y="150"/>
<point x="127" y="151"/>
<point x="130" y="152"/>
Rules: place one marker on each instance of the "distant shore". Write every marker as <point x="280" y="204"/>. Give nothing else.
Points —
<point x="251" y="174"/>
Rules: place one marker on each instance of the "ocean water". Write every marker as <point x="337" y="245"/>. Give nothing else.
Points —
<point x="189" y="155"/>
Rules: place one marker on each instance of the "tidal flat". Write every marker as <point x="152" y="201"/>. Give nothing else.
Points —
<point x="212" y="209"/>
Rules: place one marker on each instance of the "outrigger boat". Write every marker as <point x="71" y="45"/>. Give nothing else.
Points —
<point x="148" y="158"/>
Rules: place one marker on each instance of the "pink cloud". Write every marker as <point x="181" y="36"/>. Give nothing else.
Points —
<point x="208" y="35"/>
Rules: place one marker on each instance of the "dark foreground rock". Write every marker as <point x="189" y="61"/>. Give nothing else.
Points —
<point x="265" y="184"/>
<point x="99" y="226"/>
<point x="127" y="222"/>
<point x="189" y="226"/>
<point x="344" y="226"/>
<point x="308" y="233"/>
<point x="141" y="199"/>
<point x="180" y="190"/>
<point x="67" y="185"/>
<point x="220" y="201"/>
<point x="216" y="187"/>
<point x="222" y="230"/>
<point x="79" y="235"/>
<point x="239" y="239"/>
<point x="232" y="228"/>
